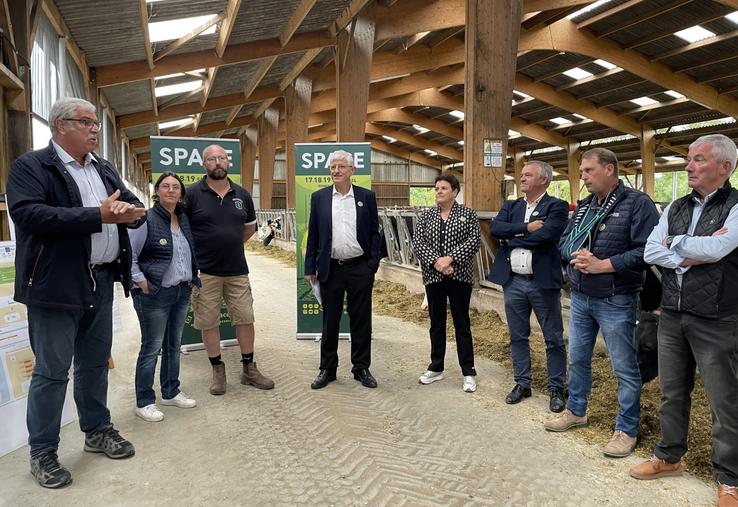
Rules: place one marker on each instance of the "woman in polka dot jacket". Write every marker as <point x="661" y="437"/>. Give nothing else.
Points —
<point x="446" y="240"/>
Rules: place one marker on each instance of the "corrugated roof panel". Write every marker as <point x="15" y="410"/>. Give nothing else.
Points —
<point x="129" y="98"/>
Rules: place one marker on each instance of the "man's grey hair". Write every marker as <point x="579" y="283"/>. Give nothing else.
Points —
<point x="544" y="169"/>
<point x="65" y="107"/>
<point x="341" y="155"/>
<point x="723" y="148"/>
<point x="604" y="157"/>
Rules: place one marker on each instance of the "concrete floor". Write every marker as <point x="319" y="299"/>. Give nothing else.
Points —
<point x="400" y="444"/>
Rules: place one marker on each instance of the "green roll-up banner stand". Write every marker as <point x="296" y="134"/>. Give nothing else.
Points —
<point x="312" y="173"/>
<point x="183" y="155"/>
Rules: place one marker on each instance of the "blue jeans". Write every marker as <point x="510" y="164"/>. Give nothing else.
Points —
<point x="616" y="317"/>
<point x="161" y="317"/>
<point x="57" y="337"/>
<point x="522" y="296"/>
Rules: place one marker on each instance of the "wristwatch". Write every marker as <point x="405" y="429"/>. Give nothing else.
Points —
<point x="668" y="240"/>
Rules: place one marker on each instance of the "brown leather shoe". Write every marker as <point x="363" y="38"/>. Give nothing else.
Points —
<point x="727" y="496"/>
<point x="252" y="376"/>
<point x="655" y="468"/>
<point x="218" y="385"/>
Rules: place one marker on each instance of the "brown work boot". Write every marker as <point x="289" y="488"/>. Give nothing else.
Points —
<point x="620" y="445"/>
<point x="727" y="496"/>
<point x="252" y="375"/>
<point x="566" y="421"/>
<point x="655" y="468"/>
<point x="218" y="385"/>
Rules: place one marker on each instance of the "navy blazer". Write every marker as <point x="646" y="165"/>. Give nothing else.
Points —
<point x="320" y="230"/>
<point x="512" y="232"/>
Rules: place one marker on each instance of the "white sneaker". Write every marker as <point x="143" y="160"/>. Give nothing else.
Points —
<point x="181" y="401"/>
<point x="470" y="384"/>
<point x="150" y="413"/>
<point x="430" y="376"/>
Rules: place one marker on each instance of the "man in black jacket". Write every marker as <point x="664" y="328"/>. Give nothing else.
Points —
<point x="71" y="210"/>
<point x="603" y="246"/>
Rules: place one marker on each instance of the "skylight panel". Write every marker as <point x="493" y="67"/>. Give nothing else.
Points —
<point x="644" y="101"/>
<point x="460" y="143"/>
<point x="389" y="139"/>
<point x="694" y="34"/>
<point x="581" y="117"/>
<point x="420" y="129"/>
<point x="176" y="28"/>
<point x="559" y="120"/>
<point x="513" y="133"/>
<point x="605" y="64"/>
<point x="163" y="91"/>
<point x="577" y="73"/>
<point x="672" y="158"/>
<point x="733" y="16"/>
<point x="588" y="8"/>
<point x="176" y="123"/>
<point x="521" y="94"/>
<point x="457" y="114"/>
<point x="672" y="93"/>
<point x="430" y="152"/>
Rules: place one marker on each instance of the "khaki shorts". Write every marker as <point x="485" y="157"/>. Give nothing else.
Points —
<point x="234" y="290"/>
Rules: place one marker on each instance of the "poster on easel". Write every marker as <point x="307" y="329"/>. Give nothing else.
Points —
<point x="16" y="359"/>
<point x="312" y="173"/>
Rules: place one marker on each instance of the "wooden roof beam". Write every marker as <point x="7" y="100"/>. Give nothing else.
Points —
<point x="231" y="13"/>
<point x="695" y="45"/>
<point x="296" y="19"/>
<point x="411" y="41"/>
<point x="607" y="13"/>
<point x="143" y="11"/>
<point x="564" y="36"/>
<point x="109" y="75"/>
<point x="417" y="141"/>
<point x="689" y="21"/>
<point x="348" y="14"/>
<point x="251" y="85"/>
<point x="652" y="13"/>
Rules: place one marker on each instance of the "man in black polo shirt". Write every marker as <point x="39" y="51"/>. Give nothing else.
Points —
<point x="222" y="218"/>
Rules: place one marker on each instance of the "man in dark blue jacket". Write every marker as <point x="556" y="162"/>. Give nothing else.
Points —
<point x="603" y="246"/>
<point x="343" y="254"/>
<point x="71" y="210"/>
<point x="528" y="266"/>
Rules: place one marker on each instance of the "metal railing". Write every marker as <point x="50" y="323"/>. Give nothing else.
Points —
<point x="397" y="225"/>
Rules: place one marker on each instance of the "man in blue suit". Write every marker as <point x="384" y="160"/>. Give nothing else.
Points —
<point x="528" y="266"/>
<point x="343" y="254"/>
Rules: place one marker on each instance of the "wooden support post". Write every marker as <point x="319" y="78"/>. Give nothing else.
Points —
<point x="519" y="160"/>
<point x="492" y="33"/>
<point x="573" y="154"/>
<point x="248" y="158"/>
<point x="353" y="76"/>
<point x="297" y="98"/>
<point x="268" y="123"/>
<point x="648" y="160"/>
<point x="19" y="131"/>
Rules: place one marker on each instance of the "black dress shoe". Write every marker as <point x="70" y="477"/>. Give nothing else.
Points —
<point x="557" y="403"/>
<point x="365" y="378"/>
<point x="323" y="378"/>
<point x="517" y="394"/>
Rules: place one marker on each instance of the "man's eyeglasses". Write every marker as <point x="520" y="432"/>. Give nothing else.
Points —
<point x="219" y="158"/>
<point x="167" y="186"/>
<point x="88" y="124"/>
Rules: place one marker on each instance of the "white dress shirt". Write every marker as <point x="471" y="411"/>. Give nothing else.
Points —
<point x="521" y="259"/>
<point x="344" y="244"/>
<point x="105" y="244"/>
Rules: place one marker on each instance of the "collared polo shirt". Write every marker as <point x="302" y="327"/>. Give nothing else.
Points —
<point x="217" y="227"/>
